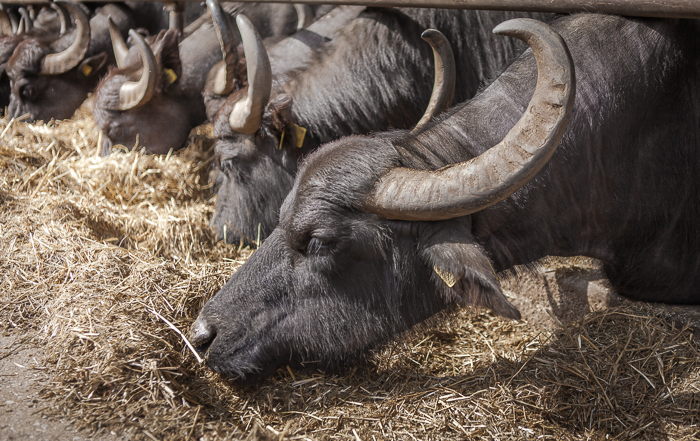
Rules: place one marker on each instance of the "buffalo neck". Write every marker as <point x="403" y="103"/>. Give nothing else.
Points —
<point x="374" y="75"/>
<point x="199" y="52"/>
<point x="604" y="193"/>
<point x="100" y="40"/>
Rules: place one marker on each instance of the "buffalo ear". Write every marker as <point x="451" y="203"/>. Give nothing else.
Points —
<point x="277" y="120"/>
<point x="167" y="53"/>
<point x="92" y="65"/>
<point x="279" y="112"/>
<point x="461" y="269"/>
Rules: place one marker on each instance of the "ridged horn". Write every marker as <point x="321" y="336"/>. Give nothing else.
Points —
<point x="137" y="93"/>
<point x="305" y="15"/>
<point x="63" y="20"/>
<point x="118" y="44"/>
<point x="14" y="22"/>
<point x="21" y="27"/>
<point x="247" y="113"/>
<point x="27" y="18"/>
<point x="445" y="76"/>
<point x="224" y="80"/>
<point x="465" y="188"/>
<point x="5" y="23"/>
<point x="60" y="62"/>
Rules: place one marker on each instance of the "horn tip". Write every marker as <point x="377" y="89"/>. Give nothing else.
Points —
<point x="433" y="37"/>
<point x="429" y="33"/>
<point x="242" y="20"/>
<point x="516" y="25"/>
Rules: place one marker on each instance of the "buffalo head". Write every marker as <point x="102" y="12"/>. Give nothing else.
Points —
<point x="48" y="23"/>
<point x="154" y="97"/>
<point x="8" y="44"/>
<point x="135" y="103"/>
<point x="371" y="242"/>
<point x="51" y="78"/>
<point x="254" y="172"/>
<point x="259" y="145"/>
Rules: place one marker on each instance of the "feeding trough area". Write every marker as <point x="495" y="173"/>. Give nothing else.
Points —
<point x="105" y="258"/>
<point x="156" y="292"/>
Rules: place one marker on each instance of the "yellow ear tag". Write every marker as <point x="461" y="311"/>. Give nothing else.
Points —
<point x="300" y="133"/>
<point x="170" y="76"/>
<point x="87" y="70"/>
<point x="446" y="276"/>
<point x="282" y="138"/>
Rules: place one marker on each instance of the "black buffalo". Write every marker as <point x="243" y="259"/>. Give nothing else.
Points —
<point x="287" y="55"/>
<point x="167" y="103"/>
<point x="378" y="235"/>
<point x="47" y="24"/>
<point x="50" y="78"/>
<point x="373" y="75"/>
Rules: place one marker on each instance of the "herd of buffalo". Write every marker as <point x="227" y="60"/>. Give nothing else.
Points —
<point x="569" y="135"/>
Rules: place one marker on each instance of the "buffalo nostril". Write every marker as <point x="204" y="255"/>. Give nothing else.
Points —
<point x="202" y="334"/>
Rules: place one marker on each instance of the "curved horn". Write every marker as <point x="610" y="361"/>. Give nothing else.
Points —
<point x="27" y="18"/>
<point x="224" y="81"/>
<point x="247" y="113"/>
<point x="445" y="77"/>
<point x="464" y="188"/>
<point x="5" y="24"/>
<point x="118" y="44"/>
<point x="21" y="27"/>
<point x="137" y="93"/>
<point x="61" y="17"/>
<point x="14" y="22"/>
<point x="305" y="15"/>
<point x="58" y="63"/>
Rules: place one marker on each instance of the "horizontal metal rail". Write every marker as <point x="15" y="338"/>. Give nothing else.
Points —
<point x="641" y="8"/>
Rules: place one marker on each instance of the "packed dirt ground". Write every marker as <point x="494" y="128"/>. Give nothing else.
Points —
<point x="105" y="258"/>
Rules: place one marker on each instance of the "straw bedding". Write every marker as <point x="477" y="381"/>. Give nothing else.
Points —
<point x="99" y="253"/>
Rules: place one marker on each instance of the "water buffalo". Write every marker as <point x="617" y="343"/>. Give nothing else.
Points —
<point x="48" y="24"/>
<point x="290" y="54"/>
<point x="50" y="78"/>
<point x="379" y="233"/>
<point x="161" y="113"/>
<point x="373" y="75"/>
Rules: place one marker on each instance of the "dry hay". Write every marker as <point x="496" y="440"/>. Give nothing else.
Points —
<point x="96" y="247"/>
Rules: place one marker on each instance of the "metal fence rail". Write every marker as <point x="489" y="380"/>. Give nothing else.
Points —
<point x="641" y="8"/>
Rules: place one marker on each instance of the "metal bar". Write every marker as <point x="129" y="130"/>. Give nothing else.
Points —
<point x="176" y="11"/>
<point x="642" y="8"/>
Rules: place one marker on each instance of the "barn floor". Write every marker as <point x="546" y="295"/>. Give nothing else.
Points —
<point x="100" y="253"/>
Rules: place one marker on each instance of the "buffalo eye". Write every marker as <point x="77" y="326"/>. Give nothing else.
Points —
<point x="27" y="91"/>
<point x="115" y="132"/>
<point x="318" y="245"/>
<point x="226" y="165"/>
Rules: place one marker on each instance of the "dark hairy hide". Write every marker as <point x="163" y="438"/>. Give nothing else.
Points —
<point x="386" y="78"/>
<point x="376" y="74"/>
<point x="621" y="186"/>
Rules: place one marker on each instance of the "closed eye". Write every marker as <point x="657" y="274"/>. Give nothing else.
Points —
<point x="227" y="164"/>
<point x="115" y="132"/>
<point x="319" y="246"/>
<point x="27" y="91"/>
